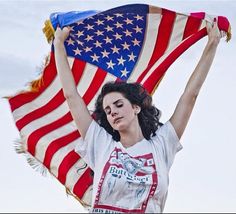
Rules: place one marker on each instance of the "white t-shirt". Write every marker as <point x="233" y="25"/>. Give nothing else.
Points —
<point x="133" y="179"/>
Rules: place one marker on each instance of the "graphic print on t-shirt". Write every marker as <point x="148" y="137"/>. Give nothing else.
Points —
<point x="126" y="183"/>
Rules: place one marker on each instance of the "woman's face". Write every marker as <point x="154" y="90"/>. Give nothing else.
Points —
<point x="121" y="114"/>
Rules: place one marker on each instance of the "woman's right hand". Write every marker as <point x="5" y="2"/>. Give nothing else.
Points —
<point x="61" y="35"/>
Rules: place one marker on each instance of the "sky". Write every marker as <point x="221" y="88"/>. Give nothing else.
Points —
<point x="203" y="176"/>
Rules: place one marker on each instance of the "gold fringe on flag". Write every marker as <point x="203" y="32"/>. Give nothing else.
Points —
<point x="48" y="30"/>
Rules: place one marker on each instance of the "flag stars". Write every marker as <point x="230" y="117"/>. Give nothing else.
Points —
<point x="121" y="61"/>
<point x="136" y="42"/>
<point x="80" y="33"/>
<point x="115" y="49"/>
<point x="98" y="44"/>
<point x="138" y="29"/>
<point x="109" y="18"/>
<point x="118" y="25"/>
<point x="105" y="54"/>
<point x="88" y="49"/>
<point x="131" y="57"/>
<point x="124" y="72"/>
<point x="89" y="27"/>
<point x="125" y="46"/>
<point x="118" y="15"/>
<point x="99" y="22"/>
<point x="110" y="64"/>
<point x="95" y="57"/>
<point x="127" y="33"/>
<point x="118" y="36"/>
<point x="88" y="38"/>
<point x="109" y="28"/>
<point x="80" y="43"/>
<point x="77" y="51"/>
<point x="70" y="42"/>
<point x="99" y="33"/>
<point x="138" y="17"/>
<point x="108" y="40"/>
<point x="128" y="21"/>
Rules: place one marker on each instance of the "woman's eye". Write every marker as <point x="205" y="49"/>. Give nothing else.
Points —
<point x="119" y="105"/>
<point x="107" y="112"/>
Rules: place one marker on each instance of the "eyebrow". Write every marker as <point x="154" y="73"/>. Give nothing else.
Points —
<point x="113" y="103"/>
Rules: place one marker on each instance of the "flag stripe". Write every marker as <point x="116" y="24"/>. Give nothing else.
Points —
<point x="150" y="83"/>
<point x="164" y="32"/>
<point x="55" y="145"/>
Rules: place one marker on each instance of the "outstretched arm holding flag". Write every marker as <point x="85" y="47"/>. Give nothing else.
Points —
<point x="186" y="103"/>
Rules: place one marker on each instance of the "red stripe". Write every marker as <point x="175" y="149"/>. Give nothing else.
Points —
<point x="156" y="75"/>
<point x="49" y="73"/>
<point x="57" y="100"/>
<point x="57" y="144"/>
<point x="84" y="182"/>
<point x="162" y="41"/>
<point x="192" y="26"/>
<point x="36" y="135"/>
<point x="70" y="159"/>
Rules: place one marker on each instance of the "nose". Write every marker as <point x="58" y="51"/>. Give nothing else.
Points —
<point x="113" y="112"/>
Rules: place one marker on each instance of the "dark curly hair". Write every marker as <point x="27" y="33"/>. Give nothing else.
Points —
<point x="137" y="95"/>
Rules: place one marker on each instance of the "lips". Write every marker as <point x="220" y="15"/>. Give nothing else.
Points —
<point x="117" y="119"/>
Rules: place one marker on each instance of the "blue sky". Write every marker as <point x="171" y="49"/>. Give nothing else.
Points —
<point x="203" y="176"/>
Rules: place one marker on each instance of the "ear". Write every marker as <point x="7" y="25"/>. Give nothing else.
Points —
<point x="137" y="109"/>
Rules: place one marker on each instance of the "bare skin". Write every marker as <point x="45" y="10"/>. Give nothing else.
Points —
<point x="121" y="114"/>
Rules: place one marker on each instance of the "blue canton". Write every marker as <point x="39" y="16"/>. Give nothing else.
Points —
<point x="111" y="41"/>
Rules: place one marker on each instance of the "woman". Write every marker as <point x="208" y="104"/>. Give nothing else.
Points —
<point x="130" y="151"/>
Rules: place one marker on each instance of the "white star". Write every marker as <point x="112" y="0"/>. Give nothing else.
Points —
<point x="110" y="64"/>
<point x="118" y="14"/>
<point x="115" y="49"/>
<point x="77" y="51"/>
<point x="99" y="33"/>
<point x="128" y="21"/>
<point x="124" y="72"/>
<point x="80" y="43"/>
<point x="88" y="38"/>
<point x="70" y="41"/>
<point x="136" y="42"/>
<point x="95" y="57"/>
<point x="125" y="46"/>
<point x="108" y="28"/>
<point x="108" y="18"/>
<point x="121" y="61"/>
<point x="89" y="27"/>
<point x="105" y="54"/>
<point x="87" y="49"/>
<point x="108" y="40"/>
<point x="131" y="57"/>
<point x="80" y="22"/>
<point x="138" y="29"/>
<point x="118" y="36"/>
<point x="80" y="33"/>
<point x="127" y="33"/>
<point x="118" y="25"/>
<point x="99" y="22"/>
<point x="71" y="28"/>
<point x="138" y="17"/>
<point x="98" y="44"/>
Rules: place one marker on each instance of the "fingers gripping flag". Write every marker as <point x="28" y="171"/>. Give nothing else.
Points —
<point x="133" y="43"/>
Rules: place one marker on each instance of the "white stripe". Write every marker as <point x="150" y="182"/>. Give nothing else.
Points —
<point x="47" y="139"/>
<point x="40" y="101"/>
<point x="87" y="197"/>
<point x="61" y="110"/>
<point x="175" y="41"/>
<point x="153" y="22"/>
<point x="59" y="156"/>
<point x="75" y="173"/>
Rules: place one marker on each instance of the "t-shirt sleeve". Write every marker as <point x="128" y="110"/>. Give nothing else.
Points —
<point x="96" y="142"/>
<point x="168" y="142"/>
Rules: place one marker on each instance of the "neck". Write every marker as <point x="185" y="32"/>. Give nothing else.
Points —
<point x="131" y="136"/>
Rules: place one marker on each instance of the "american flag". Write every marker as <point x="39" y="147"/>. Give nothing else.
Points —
<point x="133" y="43"/>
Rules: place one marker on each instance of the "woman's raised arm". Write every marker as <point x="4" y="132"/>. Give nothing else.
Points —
<point x="76" y="104"/>
<point x="186" y="102"/>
